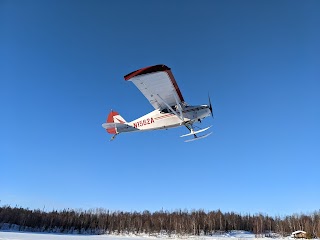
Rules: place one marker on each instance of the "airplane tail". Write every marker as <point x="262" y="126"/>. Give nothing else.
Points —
<point x="114" y="117"/>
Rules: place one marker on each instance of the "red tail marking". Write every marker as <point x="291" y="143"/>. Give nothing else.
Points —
<point x="110" y="120"/>
<point x="110" y="116"/>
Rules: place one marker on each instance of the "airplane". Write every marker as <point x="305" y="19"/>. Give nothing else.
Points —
<point x="159" y="86"/>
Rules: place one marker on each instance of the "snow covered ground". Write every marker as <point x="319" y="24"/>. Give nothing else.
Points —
<point x="235" y="235"/>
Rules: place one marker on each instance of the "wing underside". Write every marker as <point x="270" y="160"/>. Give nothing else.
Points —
<point x="158" y="85"/>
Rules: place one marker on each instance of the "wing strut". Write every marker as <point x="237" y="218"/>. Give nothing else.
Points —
<point x="175" y="113"/>
<point x="178" y="104"/>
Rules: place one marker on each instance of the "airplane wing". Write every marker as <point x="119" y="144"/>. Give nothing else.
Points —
<point x="158" y="85"/>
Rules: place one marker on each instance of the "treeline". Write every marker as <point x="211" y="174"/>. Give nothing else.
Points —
<point x="179" y="222"/>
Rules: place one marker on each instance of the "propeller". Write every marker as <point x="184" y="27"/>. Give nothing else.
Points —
<point x="210" y="105"/>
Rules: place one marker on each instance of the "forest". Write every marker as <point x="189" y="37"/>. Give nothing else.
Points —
<point x="179" y="222"/>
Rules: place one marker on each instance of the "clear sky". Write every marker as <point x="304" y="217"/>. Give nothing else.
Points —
<point x="61" y="72"/>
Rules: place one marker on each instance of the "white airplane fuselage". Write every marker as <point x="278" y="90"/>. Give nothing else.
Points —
<point x="160" y="88"/>
<point x="157" y="119"/>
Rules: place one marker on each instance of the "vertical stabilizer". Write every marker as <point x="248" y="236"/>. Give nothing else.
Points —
<point x="114" y="117"/>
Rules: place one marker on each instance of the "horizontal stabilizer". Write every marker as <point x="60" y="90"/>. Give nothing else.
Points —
<point x="195" y="132"/>
<point x="119" y="126"/>
<point x="198" y="138"/>
<point x="114" y="125"/>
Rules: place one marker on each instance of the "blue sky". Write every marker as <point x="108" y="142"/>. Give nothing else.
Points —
<point x="62" y="66"/>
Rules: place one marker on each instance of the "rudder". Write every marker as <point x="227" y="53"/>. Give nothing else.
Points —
<point x="114" y="117"/>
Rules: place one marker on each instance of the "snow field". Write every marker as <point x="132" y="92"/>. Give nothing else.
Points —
<point x="235" y="235"/>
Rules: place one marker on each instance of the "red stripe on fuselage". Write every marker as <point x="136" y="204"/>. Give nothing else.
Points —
<point x="165" y="116"/>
